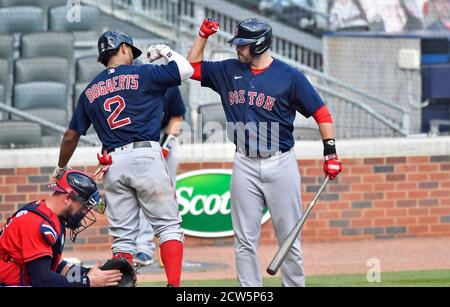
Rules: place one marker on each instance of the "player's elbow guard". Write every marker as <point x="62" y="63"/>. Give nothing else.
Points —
<point x="185" y="68"/>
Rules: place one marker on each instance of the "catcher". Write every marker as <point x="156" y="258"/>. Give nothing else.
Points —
<point x="32" y="241"/>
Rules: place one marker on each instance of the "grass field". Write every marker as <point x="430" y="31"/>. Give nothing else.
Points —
<point x="403" y="279"/>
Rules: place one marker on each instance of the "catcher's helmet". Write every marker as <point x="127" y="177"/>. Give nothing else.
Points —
<point x="255" y="32"/>
<point x="111" y="41"/>
<point x="83" y="189"/>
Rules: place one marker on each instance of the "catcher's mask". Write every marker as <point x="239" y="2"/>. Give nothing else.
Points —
<point x="82" y="188"/>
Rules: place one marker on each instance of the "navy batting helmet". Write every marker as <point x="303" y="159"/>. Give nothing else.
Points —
<point x="82" y="188"/>
<point x="111" y="41"/>
<point x="255" y="32"/>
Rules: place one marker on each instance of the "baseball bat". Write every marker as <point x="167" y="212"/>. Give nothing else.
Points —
<point x="293" y="235"/>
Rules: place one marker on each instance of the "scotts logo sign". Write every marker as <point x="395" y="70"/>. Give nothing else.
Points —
<point x="204" y="203"/>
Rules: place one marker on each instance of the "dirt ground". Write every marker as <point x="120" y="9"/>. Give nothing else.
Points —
<point x="320" y="258"/>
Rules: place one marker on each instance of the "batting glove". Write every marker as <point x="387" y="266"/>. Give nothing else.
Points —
<point x="155" y="52"/>
<point x="167" y="143"/>
<point x="210" y="26"/>
<point x="105" y="161"/>
<point x="332" y="166"/>
<point x="59" y="171"/>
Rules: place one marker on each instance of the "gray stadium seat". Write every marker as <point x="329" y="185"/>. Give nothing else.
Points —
<point x="212" y="113"/>
<point x="56" y="116"/>
<point x="42" y="70"/>
<point x="78" y="90"/>
<point x="39" y="3"/>
<point x="21" y="19"/>
<point x="6" y="47"/>
<point x="18" y="133"/>
<point x="5" y="87"/>
<point x="2" y="94"/>
<point x="87" y="69"/>
<point x="36" y="95"/>
<point x="48" y="44"/>
<point x="90" y="19"/>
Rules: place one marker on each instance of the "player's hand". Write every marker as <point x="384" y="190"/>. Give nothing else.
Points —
<point x="105" y="161"/>
<point x="99" y="278"/>
<point x="155" y="52"/>
<point x="210" y="26"/>
<point x="167" y="143"/>
<point x="332" y="166"/>
<point x="59" y="172"/>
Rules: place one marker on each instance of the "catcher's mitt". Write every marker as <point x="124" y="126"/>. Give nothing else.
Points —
<point x="129" y="274"/>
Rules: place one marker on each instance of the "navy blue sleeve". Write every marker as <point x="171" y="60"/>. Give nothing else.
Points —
<point x="175" y="102"/>
<point x="305" y="98"/>
<point x="80" y="121"/>
<point x="42" y="276"/>
<point x="160" y="77"/>
<point x="213" y="75"/>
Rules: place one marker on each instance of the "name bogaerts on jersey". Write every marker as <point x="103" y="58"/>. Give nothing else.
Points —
<point x="254" y="98"/>
<point x="112" y="85"/>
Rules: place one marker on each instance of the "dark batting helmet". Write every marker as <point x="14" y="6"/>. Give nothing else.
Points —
<point x="82" y="188"/>
<point x="110" y="41"/>
<point x="255" y="32"/>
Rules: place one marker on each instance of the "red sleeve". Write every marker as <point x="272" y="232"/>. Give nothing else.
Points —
<point x="34" y="245"/>
<point x="197" y="71"/>
<point x="323" y="116"/>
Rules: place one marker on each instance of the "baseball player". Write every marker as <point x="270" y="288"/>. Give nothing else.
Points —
<point x="174" y="112"/>
<point x="124" y="103"/>
<point x="260" y="96"/>
<point x="32" y="241"/>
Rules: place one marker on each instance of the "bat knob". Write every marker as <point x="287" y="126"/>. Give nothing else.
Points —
<point x="271" y="272"/>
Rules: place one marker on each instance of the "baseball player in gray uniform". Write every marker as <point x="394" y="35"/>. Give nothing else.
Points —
<point x="174" y="112"/>
<point x="260" y="96"/>
<point x="124" y="103"/>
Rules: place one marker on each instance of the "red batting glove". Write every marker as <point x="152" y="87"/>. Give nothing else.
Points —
<point x="105" y="161"/>
<point x="209" y="27"/>
<point x="332" y="166"/>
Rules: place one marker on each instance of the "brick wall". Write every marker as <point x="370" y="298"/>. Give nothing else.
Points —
<point x="375" y="198"/>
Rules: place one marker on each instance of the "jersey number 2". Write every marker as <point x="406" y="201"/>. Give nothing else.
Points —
<point x="112" y="120"/>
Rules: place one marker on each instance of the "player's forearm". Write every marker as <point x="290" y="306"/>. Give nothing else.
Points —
<point x="68" y="146"/>
<point x="174" y="126"/>
<point x="197" y="52"/>
<point x="326" y="131"/>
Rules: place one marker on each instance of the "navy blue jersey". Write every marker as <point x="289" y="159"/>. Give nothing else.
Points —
<point x="173" y="105"/>
<point x="125" y="104"/>
<point x="273" y="96"/>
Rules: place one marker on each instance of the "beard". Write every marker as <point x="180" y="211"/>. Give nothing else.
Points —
<point x="245" y="59"/>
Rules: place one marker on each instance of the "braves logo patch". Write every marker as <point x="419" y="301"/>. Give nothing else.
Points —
<point x="49" y="234"/>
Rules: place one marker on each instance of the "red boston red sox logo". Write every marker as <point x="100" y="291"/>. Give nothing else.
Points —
<point x="112" y="119"/>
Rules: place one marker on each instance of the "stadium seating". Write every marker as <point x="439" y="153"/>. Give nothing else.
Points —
<point x="211" y="113"/>
<point x="88" y="28"/>
<point x="87" y="69"/>
<point x="6" y="47"/>
<point x="18" y="133"/>
<point x="42" y="69"/>
<point x="21" y="19"/>
<point x="48" y="44"/>
<point x="38" y="3"/>
<point x="4" y="85"/>
<point x="33" y="95"/>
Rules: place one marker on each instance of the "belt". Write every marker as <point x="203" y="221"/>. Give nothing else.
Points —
<point x="260" y="155"/>
<point x="135" y="145"/>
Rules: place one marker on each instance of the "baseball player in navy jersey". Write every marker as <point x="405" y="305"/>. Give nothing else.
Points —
<point x="174" y="112"/>
<point x="124" y="103"/>
<point x="263" y="94"/>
